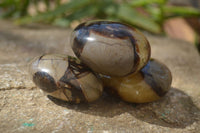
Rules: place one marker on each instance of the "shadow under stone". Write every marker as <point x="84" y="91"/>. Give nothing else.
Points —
<point x="176" y="109"/>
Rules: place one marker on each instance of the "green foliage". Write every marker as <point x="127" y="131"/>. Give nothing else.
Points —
<point x="146" y="14"/>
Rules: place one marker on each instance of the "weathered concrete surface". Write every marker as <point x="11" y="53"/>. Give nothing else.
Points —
<point x="23" y="108"/>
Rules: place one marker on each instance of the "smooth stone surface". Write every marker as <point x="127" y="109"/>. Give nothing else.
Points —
<point x="23" y="108"/>
<point x="151" y="83"/>
<point x="65" y="77"/>
<point x="105" y="47"/>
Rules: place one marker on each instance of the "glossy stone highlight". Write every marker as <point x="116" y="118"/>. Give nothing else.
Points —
<point x="147" y="85"/>
<point x="110" y="48"/>
<point x="66" y="78"/>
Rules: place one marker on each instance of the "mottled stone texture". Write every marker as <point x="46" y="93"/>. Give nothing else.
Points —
<point x="23" y="108"/>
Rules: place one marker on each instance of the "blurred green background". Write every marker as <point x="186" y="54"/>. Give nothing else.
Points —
<point x="148" y="15"/>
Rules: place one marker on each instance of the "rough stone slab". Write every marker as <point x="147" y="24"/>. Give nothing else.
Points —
<point x="23" y="108"/>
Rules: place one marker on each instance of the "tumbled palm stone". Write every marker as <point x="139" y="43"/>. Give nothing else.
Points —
<point x="110" y="48"/>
